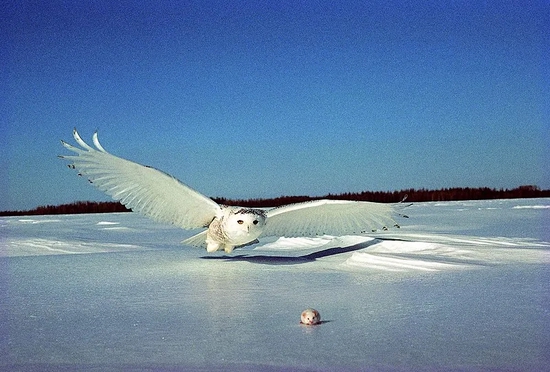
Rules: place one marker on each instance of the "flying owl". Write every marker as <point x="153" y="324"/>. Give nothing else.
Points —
<point x="163" y="198"/>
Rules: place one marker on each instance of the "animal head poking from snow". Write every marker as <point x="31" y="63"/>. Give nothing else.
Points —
<point x="310" y="317"/>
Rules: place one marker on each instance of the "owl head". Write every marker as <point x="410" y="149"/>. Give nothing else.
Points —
<point x="244" y="224"/>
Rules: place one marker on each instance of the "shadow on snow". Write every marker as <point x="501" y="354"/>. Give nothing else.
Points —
<point x="294" y="260"/>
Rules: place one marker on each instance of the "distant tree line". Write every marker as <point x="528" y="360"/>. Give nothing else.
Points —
<point x="411" y="195"/>
<point x="72" y="208"/>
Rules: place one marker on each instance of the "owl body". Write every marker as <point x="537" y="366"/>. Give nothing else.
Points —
<point x="164" y="198"/>
<point x="235" y="226"/>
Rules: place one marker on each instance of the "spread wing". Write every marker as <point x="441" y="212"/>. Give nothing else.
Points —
<point x="146" y="190"/>
<point x="330" y="217"/>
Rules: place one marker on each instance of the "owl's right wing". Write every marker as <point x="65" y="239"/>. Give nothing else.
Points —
<point x="330" y="217"/>
<point x="143" y="189"/>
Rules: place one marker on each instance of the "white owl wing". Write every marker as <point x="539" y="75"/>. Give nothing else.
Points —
<point x="143" y="189"/>
<point x="330" y="217"/>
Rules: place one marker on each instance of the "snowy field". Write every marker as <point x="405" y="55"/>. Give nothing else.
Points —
<point x="461" y="286"/>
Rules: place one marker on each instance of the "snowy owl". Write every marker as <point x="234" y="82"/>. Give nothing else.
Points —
<point x="163" y="198"/>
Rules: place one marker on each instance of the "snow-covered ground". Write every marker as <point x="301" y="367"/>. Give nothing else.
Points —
<point x="461" y="286"/>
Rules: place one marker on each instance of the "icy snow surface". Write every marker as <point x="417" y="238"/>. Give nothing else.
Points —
<point x="461" y="286"/>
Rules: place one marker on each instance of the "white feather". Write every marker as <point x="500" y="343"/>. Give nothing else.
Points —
<point x="330" y="217"/>
<point x="143" y="189"/>
<point x="197" y="240"/>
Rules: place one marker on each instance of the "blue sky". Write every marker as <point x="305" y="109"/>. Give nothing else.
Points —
<point x="245" y="99"/>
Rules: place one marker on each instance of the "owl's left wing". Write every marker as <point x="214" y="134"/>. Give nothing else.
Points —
<point x="330" y="217"/>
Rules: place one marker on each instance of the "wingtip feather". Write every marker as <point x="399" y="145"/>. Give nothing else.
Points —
<point x="96" y="142"/>
<point x="80" y="141"/>
<point x="70" y="147"/>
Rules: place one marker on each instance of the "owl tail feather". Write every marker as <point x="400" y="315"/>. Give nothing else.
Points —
<point x="198" y="240"/>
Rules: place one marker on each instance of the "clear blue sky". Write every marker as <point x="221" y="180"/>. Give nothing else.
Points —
<point x="246" y="99"/>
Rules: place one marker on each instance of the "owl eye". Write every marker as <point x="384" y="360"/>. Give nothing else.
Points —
<point x="255" y="222"/>
<point x="240" y="222"/>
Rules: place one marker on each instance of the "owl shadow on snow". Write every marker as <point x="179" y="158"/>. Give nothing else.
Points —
<point x="294" y="260"/>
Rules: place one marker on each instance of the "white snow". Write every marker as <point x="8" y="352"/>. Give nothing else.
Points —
<point x="461" y="286"/>
<point x="532" y="206"/>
